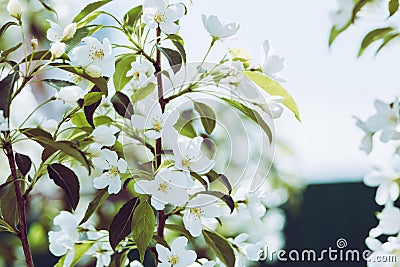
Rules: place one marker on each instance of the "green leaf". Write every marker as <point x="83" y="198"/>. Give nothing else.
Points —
<point x="143" y="224"/>
<point x="200" y="179"/>
<point x="213" y="176"/>
<point x="184" y="124"/>
<point x="143" y="92"/>
<point x="77" y="39"/>
<point x="357" y="7"/>
<point x="122" y="66"/>
<point x="393" y="7"/>
<point x="274" y="88"/>
<point x="179" y="229"/>
<point x="387" y="39"/>
<point x="174" y="58"/>
<point x="100" y="82"/>
<point x="133" y="15"/>
<point x="6" y="90"/>
<point x="98" y="200"/>
<point x="207" y="116"/>
<point x="58" y="84"/>
<point x="5" y="26"/>
<point x="10" y="50"/>
<point x="66" y="179"/>
<point x="8" y="203"/>
<point x="220" y="246"/>
<point x="47" y="6"/>
<point x="122" y="105"/>
<point x="80" y="250"/>
<point x="225" y="198"/>
<point x="45" y="139"/>
<point x="372" y="37"/>
<point x="5" y="227"/>
<point x="335" y="32"/>
<point x="179" y="44"/>
<point x="24" y="163"/>
<point x="89" y="110"/>
<point x="91" y="98"/>
<point x="79" y="120"/>
<point x="120" y="226"/>
<point x="251" y="114"/>
<point x="89" y="9"/>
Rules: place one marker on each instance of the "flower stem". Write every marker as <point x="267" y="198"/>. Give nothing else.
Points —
<point x="22" y="233"/>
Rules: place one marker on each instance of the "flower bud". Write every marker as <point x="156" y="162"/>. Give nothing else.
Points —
<point x="14" y="9"/>
<point x="57" y="49"/>
<point x="93" y="71"/>
<point x="69" y="31"/>
<point x="34" y="43"/>
<point x="70" y="94"/>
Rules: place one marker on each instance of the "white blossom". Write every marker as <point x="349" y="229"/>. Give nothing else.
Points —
<point x="389" y="220"/>
<point x="188" y="157"/>
<point x="246" y="251"/>
<point x="239" y="82"/>
<point x="70" y="94"/>
<point x="250" y="205"/>
<point x="114" y="167"/>
<point x="386" y="179"/>
<point x="160" y="13"/>
<point x="198" y="209"/>
<point x="157" y="124"/>
<point x="386" y="119"/>
<point x="218" y="30"/>
<point x="102" y="249"/>
<point x="271" y="64"/>
<point x="95" y="57"/>
<point x="142" y="72"/>
<point x="367" y="142"/>
<point x="14" y="8"/>
<point x="56" y="33"/>
<point x="168" y="187"/>
<point x="105" y="135"/>
<point x="63" y="241"/>
<point x="57" y="49"/>
<point x="3" y="122"/>
<point x="178" y="256"/>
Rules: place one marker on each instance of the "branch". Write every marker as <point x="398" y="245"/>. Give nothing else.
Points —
<point x="22" y="234"/>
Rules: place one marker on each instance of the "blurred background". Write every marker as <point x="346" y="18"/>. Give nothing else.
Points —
<point x="329" y="84"/>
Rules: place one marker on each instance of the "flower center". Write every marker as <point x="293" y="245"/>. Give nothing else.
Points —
<point x="186" y="162"/>
<point x="159" y="18"/>
<point x="96" y="53"/>
<point x="114" y="171"/>
<point x="393" y="119"/>
<point x="163" y="187"/>
<point x="157" y="123"/>
<point x="198" y="212"/>
<point x="173" y="259"/>
<point x="136" y="75"/>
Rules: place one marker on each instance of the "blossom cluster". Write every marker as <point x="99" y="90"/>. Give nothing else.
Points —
<point x="149" y="161"/>
<point x="386" y="123"/>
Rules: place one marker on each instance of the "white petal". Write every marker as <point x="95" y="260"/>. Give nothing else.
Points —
<point x="179" y="244"/>
<point x="115" y="186"/>
<point x="122" y="165"/>
<point x="169" y="28"/>
<point x="138" y="122"/>
<point x="102" y="181"/>
<point x="163" y="253"/>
